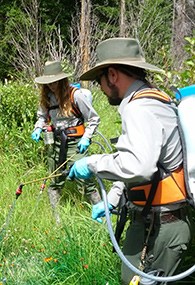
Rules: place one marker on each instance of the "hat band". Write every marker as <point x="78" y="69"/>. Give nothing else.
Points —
<point x="53" y="75"/>
<point x="139" y="59"/>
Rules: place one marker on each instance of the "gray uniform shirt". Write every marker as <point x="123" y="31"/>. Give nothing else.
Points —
<point x="90" y="116"/>
<point x="149" y="134"/>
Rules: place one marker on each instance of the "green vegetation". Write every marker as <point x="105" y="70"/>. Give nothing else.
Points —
<point x="34" y="250"/>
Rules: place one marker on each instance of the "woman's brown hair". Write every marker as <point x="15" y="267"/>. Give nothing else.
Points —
<point x="62" y="96"/>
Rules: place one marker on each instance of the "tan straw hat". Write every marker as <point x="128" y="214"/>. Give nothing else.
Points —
<point x="126" y="51"/>
<point x="52" y="72"/>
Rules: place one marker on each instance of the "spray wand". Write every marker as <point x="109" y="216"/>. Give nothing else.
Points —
<point x="44" y="179"/>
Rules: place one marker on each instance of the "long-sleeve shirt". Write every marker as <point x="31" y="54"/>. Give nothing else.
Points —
<point x="149" y="135"/>
<point x="90" y="116"/>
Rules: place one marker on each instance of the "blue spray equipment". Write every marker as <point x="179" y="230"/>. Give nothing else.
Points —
<point x="184" y="92"/>
<point x="76" y="84"/>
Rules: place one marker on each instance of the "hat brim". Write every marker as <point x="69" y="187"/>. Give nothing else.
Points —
<point x="92" y="73"/>
<point x="46" y="79"/>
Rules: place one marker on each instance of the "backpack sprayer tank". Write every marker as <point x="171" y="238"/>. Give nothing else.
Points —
<point x="186" y="112"/>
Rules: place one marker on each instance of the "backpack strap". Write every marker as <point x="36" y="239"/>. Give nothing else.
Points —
<point x="152" y="193"/>
<point x="75" y="109"/>
<point x="121" y="217"/>
<point x="152" y="94"/>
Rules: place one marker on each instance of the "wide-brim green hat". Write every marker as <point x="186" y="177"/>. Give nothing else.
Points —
<point x="52" y="72"/>
<point x="125" y="51"/>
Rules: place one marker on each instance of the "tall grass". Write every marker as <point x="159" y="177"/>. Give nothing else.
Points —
<point x="34" y="250"/>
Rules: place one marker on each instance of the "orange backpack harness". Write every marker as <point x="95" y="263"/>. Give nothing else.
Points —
<point x="79" y="130"/>
<point x="76" y="131"/>
<point x="164" y="189"/>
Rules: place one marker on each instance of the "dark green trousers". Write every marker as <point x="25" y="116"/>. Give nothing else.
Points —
<point x="167" y="245"/>
<point x="55" y="159"/>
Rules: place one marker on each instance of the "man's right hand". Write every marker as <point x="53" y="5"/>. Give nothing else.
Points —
<point x="36" y="134"/>
<point x="80" y="170"/>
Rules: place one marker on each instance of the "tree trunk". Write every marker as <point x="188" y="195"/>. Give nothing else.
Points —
<point x="85" y="36"/>
<point x="183" y="17"/>
<point x="122" y="19"/>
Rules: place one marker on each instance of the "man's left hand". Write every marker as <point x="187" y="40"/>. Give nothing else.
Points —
<point x="98" y="211"/>
<point x="80" y="170"/>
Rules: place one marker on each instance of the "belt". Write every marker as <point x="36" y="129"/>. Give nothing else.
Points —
<point x="162" y="217"/>
<point x="74" y="132"/>
<point x="168" y="217"/>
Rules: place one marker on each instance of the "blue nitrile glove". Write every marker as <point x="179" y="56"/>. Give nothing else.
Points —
<point x="80" y="169"/>
<point x="98" y="211"/>
<point x="83" y="144"/>
<point x="36" y="134"/>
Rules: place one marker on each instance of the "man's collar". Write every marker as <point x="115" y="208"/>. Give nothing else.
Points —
<point x="133" y="88"/>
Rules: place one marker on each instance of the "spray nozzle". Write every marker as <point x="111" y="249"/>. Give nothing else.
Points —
<point x="19" y="190"/>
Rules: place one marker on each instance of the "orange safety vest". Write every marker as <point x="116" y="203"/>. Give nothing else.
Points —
<point x="171" y="187"/>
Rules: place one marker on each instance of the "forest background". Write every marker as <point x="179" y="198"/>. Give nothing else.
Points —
<point x="33" y="249"/>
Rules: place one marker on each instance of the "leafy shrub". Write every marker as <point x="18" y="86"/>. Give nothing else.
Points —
<point x="183" y="77"/>
<point x="187" y="75"/>
<point x="18" y="104"/>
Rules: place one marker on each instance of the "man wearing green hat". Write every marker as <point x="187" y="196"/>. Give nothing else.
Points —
<point x="147" y="164"/>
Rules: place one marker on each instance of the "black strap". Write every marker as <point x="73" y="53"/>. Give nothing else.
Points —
<point x="114" y="140"/>
<point x="53" y="107"/>
<point x="121" y="218"/>
<point x="62" y="154"/>
<point x="152" y="193"/>
<point x="176" y="90"/>
<point x="137" y="195"/>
